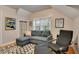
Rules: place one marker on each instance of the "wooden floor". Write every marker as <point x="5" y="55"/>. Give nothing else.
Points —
<point x="70" y="51"/>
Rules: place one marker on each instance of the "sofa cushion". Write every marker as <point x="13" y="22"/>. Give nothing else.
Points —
<point x="39" y="38"/>
<point x="46" y="33"/>
<point x="23" y="41"/>
<point x="36" y="33"/>
<point x="23" y="38"/>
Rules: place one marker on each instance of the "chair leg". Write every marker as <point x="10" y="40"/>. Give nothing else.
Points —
<point x="58" y="52"/>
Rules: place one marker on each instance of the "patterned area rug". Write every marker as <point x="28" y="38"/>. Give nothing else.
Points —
<point x="14" y="49"/>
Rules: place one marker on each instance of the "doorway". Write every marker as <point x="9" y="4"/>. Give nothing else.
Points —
<point x="23" y="28"/>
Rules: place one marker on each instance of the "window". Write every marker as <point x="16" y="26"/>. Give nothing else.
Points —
<point x="42" y="24"/>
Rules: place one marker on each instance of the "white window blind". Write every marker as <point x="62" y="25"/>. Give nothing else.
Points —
<point x="42" y="24"/>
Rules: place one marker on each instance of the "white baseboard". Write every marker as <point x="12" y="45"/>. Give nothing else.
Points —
<point x="6" y="44"/>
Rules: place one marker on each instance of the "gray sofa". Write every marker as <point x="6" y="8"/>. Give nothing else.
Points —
<point x="40" y="38"/>
<point x="35" y="36"/>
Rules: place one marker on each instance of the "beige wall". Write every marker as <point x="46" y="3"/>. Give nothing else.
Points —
<point x="0" y="27"/>
<point x="10" y="35"/>
<point x="68" y="23"/>
<point x="76" y="30"/>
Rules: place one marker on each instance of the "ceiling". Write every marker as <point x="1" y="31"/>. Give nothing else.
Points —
<point x="74" y="6"/>
<point x="31" y="8"/>
<point x="71" y="11"/>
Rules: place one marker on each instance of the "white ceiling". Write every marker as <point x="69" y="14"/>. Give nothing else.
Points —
<point x="74" y="6"/>
<point x="31" y="8"/>
<point x="68" y="11"/>
<point x="71" y="11"/>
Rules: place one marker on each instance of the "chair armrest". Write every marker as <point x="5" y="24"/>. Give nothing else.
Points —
<point x="61" y="48"/>
<point x="49" y="38"/>
<point x="54" y="39"/>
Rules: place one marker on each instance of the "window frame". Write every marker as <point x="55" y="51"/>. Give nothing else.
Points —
<point x="42" y="26"/>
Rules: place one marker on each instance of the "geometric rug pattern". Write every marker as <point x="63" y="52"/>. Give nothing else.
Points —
<point x="14" y="49"/>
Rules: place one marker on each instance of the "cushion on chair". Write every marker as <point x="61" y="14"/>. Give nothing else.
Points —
<point x="54" y="46"/>
<point x="65" y="38"/>
<point x="57" y="47"/>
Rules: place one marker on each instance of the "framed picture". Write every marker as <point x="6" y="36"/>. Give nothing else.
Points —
<point x="59" y="22"/>
<point x="10" y="23"/>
